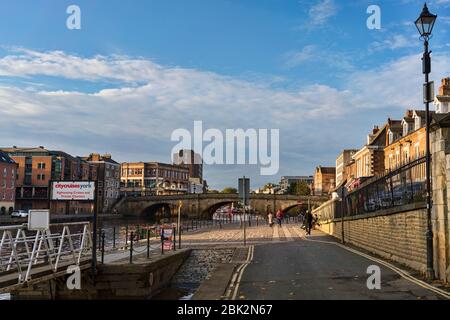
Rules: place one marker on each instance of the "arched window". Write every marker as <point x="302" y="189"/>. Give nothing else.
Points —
<point x="3" y="210"/>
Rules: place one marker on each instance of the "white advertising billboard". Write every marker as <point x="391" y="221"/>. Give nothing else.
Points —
<point x="73" y="190"/>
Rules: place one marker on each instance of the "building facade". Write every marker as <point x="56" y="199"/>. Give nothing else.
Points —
<point x="148" y="178"/>
<point x="410" y="145"/>
<point x="108" y="173"/>
<point x="324" y="180"/>
<point x="37" y="167"/>
<point x="287" y="181"/>
<point x="8" y="174"/>
<point x="341" y="162"/>
<point x="442" y="100"/>
<point x="369" y="160"/>
<point x="193" y="161"/>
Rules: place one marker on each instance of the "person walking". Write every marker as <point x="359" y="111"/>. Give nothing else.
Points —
<point x="279" y="216"/>
<point x="270" y="218"/>
<point x="309" y="221"/>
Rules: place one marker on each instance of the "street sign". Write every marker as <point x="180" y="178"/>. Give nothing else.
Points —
<point x="244" y="190"/>
<point x="73" y="190"/>
<point x="168" y="238"/>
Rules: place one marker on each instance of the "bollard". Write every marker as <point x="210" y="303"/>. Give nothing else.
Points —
<point x="162" y="240"/>
<point x="114" y="237"/>
<point x="99" y="243"/>
<point x="103" y="247"/>
<point x="126" y="237"/>
<point x="148" y="243"/>
<point x="174" y="234"/>
<point x="131" y="248"/>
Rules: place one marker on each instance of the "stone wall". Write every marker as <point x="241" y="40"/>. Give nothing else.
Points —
<point x="400" y="233"/>
<point x="440" y="148"/>
<point x="140" y="280"/>
<point x="398" y="236"/>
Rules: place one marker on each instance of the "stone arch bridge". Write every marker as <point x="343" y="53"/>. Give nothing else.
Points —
<point x="204" y="205"/>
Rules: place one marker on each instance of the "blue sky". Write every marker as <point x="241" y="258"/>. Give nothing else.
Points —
<point x="137" y="70"/>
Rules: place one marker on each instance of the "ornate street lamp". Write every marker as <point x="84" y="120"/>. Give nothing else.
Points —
<point x="425" y="24"/>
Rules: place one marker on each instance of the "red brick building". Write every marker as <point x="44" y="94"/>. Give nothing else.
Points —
<point x="37" y="167"/>
<point x="8" y="173"/>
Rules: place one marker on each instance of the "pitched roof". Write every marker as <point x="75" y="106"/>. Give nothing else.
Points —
<point x="5" y="158"/>
<point x="422" y="113"/>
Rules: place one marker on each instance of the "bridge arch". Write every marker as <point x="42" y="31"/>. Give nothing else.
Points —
<point x="209" y="211"/>
<point x="157" y="211"/>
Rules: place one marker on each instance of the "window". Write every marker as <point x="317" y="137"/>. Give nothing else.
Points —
<point x="391" y="137"/>
<point x="41" y="165"/>
<point x="417" y="123"/>
<point x="406" y="128"/>
<point x="41" y="176"/>
<point x="406" y="155"/>
<point x="4" y="172"/>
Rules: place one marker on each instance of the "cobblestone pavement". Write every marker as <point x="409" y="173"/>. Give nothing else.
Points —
<point x="235" y="234"/>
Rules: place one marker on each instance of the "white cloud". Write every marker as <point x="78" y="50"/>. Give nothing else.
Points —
<point x="134" y="119"/>
<point x="321" y="12"/>
<point x="396" y="41"/>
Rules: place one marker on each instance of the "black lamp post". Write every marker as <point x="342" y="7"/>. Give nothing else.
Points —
<point x="425" y="24"/>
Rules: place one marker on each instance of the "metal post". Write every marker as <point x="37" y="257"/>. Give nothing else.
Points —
<point x="131" y="247"/>
<point x="162" y="240"/>
<point x="126" y="237"/>
<point x="244" y="194"/>
<point x="148" y="243"/>
<point x="174" y="233"/>
<point x="100" y="232"/>
<point x="103" y="247"/>
<point x="342" y="215"/>
<point x="179" y="226"/>
<point x="429" y="233"/>
<point x="114" y="237"/>
<point x="94" y="235"/>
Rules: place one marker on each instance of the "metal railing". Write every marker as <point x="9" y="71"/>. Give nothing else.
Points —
<point x="22" y="250"/>
<point x="402" y="186"/>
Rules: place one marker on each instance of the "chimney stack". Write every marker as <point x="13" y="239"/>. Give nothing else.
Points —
<point x="444" y="89"/>
<point x="95" y="157"/>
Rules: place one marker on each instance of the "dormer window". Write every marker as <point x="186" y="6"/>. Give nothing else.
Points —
<point x="405" y="129"/>
<point x="391" y="137"/>
<point x="417" y="123"/>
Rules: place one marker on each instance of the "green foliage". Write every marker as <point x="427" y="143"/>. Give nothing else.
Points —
<point x="229" y="190"/>
<point x="300" y="188"/>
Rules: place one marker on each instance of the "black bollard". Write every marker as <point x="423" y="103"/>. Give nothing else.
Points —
<point x="131" y="248"/>
<point x="162" y="240"/>
<point x="103" y="247"/>
<point x="174" y="234"/>
<point x="148" y="243"/>
<point x="114" y="237"/>
<point x="126" y="237"/>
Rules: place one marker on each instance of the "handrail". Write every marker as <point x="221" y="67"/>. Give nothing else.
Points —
<point x="22" y="249"/>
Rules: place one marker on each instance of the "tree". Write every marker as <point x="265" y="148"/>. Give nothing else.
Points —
<point x="229" y="190"/>
<point x="300" y="188"/>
